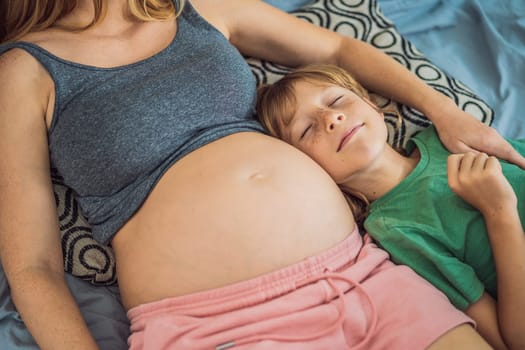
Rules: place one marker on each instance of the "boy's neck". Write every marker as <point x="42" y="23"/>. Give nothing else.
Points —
<point x="393" y="169"/>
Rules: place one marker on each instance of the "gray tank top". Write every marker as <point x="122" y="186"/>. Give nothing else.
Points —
<point x="115" y="131"/>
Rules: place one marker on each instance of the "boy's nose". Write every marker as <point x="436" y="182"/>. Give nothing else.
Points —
<point x="332" y="120"/>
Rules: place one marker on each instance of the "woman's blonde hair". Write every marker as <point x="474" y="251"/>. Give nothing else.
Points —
<point x="276" y="105"/>
<point x="20" y="17"/>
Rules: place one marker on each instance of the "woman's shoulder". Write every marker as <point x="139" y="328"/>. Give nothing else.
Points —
<point x="18" y="66"/>
<point x="24" y="80"/>
<point x="22" y="59"/>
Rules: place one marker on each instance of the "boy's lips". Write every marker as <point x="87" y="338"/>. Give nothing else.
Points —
<point x="348" y="135"/>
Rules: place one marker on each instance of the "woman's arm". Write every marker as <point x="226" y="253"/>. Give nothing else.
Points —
<point x="30" y="249"/>
<point x="262" y="31"/>
<point x="458" y="130"/>
<point x="478" y="179"/>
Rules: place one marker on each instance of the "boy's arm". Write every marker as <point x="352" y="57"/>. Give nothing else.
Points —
<point x="485" y="313"/>
<point x="478" y="179"/>
<point x="508" y="246"/>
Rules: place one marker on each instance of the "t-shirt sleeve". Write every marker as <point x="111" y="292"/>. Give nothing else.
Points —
<point x="418" y="249"/>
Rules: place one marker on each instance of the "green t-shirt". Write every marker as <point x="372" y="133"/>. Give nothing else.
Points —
<point x="424" y="225"/>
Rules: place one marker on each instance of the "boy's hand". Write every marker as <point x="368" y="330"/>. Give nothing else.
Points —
<point x="477" y="178"/>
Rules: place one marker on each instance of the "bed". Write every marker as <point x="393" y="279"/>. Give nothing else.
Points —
<point x="480" y="44"/>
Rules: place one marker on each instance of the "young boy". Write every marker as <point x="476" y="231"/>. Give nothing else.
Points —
<point x="457" y="226"/>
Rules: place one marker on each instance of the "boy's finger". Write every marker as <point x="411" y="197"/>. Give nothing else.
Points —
<point x="479" y="162"/>
<point x="493" y="163"/>
<point x="467" y="161"/>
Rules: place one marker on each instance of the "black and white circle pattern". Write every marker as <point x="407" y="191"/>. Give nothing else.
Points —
<point x="83" y="256"/>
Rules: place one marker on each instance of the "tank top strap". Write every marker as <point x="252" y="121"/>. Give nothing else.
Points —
<point x="67" y="76"/>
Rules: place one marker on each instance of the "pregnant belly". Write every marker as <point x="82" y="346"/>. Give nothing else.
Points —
<point x="237" y="208"/>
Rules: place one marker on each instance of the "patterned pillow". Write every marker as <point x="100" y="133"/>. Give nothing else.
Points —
<point x="83" y="256"/>
<point x="87" y="259"/>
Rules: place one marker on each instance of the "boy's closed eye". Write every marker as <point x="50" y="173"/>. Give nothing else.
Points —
<point x="305" y="131"/>
<point x="336" y="100"/>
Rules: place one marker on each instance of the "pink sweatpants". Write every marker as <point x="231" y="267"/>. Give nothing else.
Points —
<point x="349" y="297"/>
